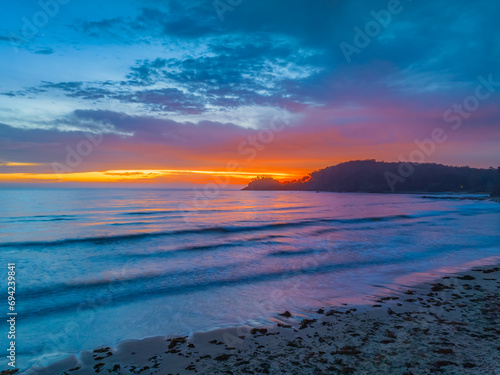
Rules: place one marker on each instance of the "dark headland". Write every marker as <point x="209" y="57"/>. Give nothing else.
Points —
<point x="370" y="176"/>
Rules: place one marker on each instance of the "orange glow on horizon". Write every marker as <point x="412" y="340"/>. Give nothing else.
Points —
<point x="13" y="164"/>
<point x="143" y="175"/>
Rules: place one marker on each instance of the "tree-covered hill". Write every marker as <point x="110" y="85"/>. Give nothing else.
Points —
<point x="370" y="176"/>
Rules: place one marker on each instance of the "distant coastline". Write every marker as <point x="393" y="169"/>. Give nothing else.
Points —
<point x="371" y="176"/>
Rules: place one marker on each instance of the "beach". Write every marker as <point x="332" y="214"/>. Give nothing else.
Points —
<point x="122" y="270"/>
<point x="450" y="325"/>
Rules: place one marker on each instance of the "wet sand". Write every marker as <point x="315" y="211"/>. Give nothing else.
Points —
<point x="448" y="326"/>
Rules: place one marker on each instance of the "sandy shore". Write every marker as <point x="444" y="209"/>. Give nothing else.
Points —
<point x="449" y="326"/>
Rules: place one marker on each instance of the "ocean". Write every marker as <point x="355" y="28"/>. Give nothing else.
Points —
<point x="98" y="266"/>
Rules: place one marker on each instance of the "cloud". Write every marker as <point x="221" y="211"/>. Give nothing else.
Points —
<point x="44" y="51"/>
<point x="186" y="20"/>
<point x="192" y="86"/>
<point x="230" y="76"/>
<point x="322" y="136"/>
<point x="287" y="55"/>
<point x="11" y="38"/>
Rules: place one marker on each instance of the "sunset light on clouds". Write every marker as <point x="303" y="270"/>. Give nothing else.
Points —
<point x="176" y="93"/>
<point x="139" y="175"/>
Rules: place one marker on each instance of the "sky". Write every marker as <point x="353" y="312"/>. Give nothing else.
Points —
<point x="177" y="92"/>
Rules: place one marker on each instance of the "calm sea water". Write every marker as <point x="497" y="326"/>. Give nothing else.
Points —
<point x="97" y="266"/>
